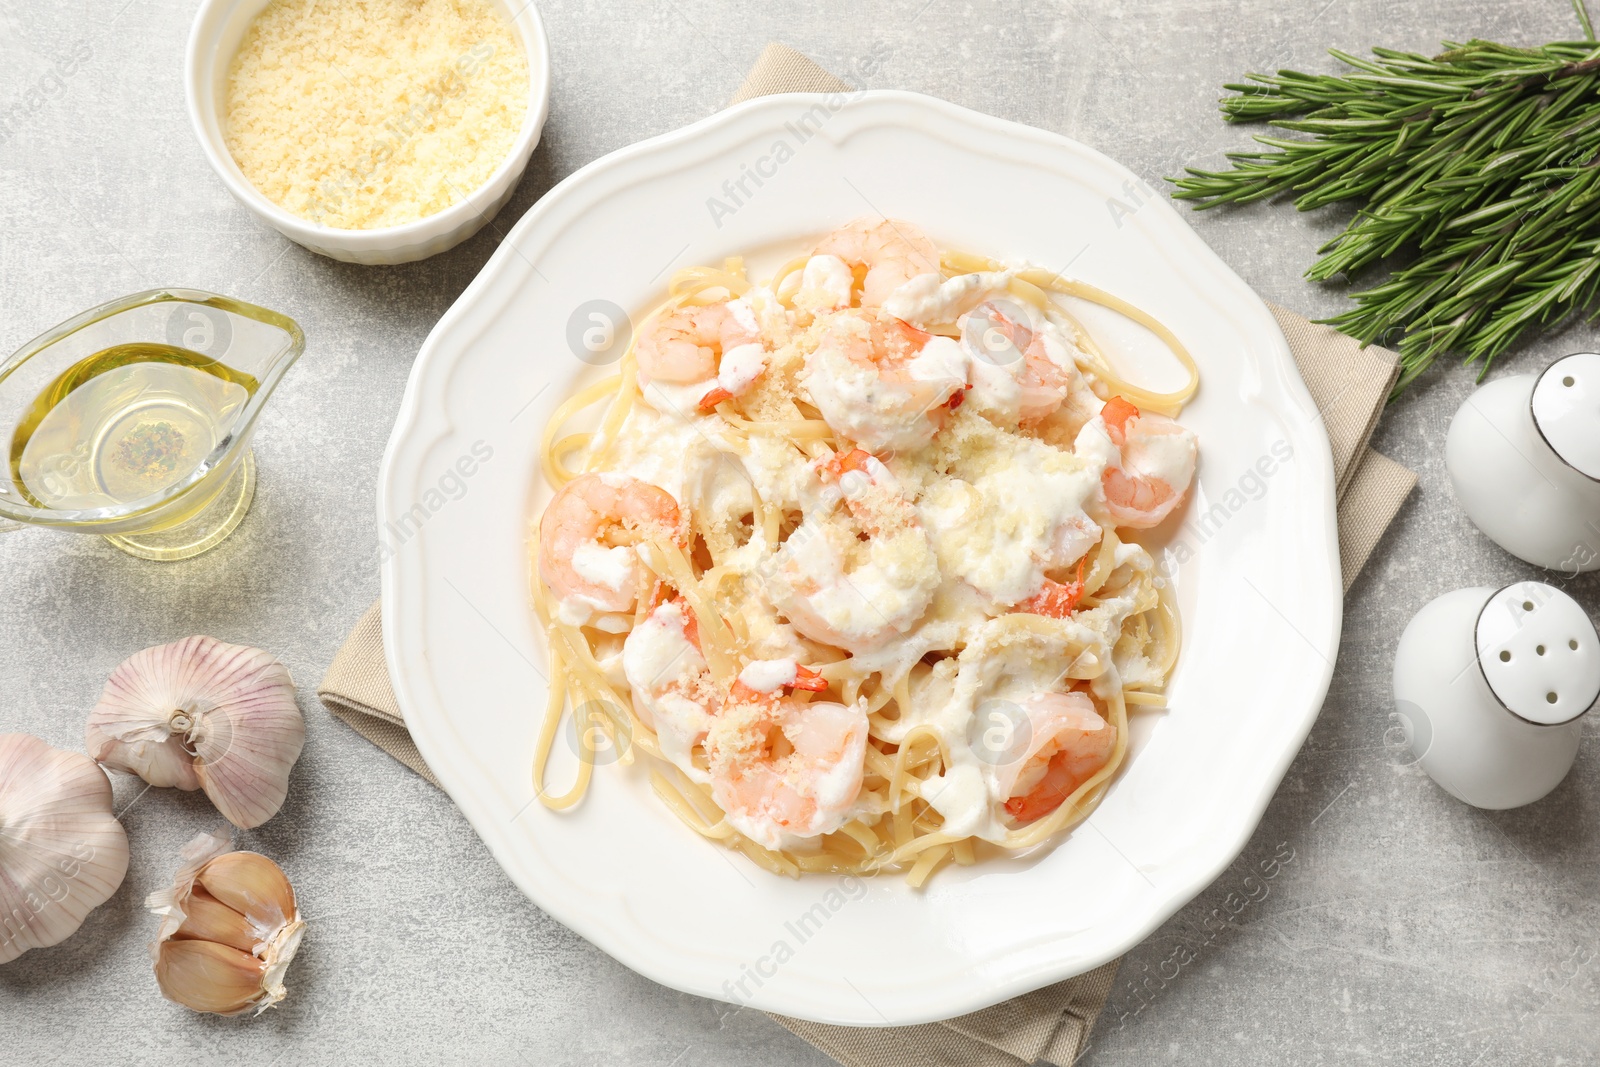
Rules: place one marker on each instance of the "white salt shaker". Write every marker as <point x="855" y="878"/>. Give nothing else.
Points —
<point x="1490" y="686"/>
<point x="1523" y="454"/>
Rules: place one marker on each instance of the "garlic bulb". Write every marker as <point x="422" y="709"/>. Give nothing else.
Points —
<point x="229" y="929"/>
<point x="203" y="714"/>
<point x="62" y="852"/>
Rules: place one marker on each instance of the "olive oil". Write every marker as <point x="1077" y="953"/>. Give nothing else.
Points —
<point x="125" y="424"/>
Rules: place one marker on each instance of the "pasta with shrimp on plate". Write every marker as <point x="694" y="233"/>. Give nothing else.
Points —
<point x="847" y="556"/>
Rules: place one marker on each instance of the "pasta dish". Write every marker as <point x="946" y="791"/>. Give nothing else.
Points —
<point x="847" y="555"/>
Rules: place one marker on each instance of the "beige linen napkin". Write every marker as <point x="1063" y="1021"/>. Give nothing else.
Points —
<point x="1349" y="385"/>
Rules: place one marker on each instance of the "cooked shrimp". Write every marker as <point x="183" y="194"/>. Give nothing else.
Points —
<point x="1003" y="341"/>
<point x="1156" y="461"/>
<point x="882" y="383"/>
<point x="889" y="251"/>
<point x="1067" y="742"/>
<point x="686" y="344"/>
<point x="1044" y="385"/>
<point x="588" y="533"/>
<point x="673" y="692"/>
<point x="856" y="580"/>
<point x="786" y="771"/>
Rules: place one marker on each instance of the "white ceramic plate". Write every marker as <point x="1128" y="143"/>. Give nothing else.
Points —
<point x="1258" y="582"/>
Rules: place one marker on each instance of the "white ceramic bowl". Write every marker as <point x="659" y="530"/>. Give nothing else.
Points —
<point x="218" y="28"/>
<point x="1256" y="562"/>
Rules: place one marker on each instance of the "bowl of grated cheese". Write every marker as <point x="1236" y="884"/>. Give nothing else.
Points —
<point x="370" y="131"/>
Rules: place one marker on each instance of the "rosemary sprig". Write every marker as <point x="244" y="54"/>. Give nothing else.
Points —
<point x="1477" y="172"/>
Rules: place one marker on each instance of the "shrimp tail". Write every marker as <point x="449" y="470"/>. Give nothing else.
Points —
<point x="841" y="463"/>
<point x="1057" y="600"/>
<point x="809" y="680"/>
<point x="709" y="402"/>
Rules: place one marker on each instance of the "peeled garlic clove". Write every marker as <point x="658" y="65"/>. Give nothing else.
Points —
<point x="229" y="929"/>
<point x="206" y="976"/>
<point x="62" y="852"/>
<point x="201" y="713"/>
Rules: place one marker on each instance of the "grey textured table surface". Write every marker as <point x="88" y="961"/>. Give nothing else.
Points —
<point x="1406" y="928"/>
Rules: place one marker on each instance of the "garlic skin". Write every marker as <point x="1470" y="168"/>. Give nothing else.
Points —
<point x="203" y="714"/>
<point x="62" y="852"/>
<point x="229" y="929"/>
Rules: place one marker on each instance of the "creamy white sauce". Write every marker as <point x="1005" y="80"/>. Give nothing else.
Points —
<point x="1131" y="552"/>
<point x="1058" y="348"/>
<point x="932" y="300"/>
<point x="744" y="315"/>
<point x="1093" y="445"/>
<point x="659" y="663"/>
<point x="579" y="610"/>
<point x="828" y="280"/>
<point x="996" y="391"/>
<point x="769" y="675"/>
<point x="941" y="360"/>
<point x="1167" y="456"/>
<point x="680" y="402"/>
<point x="668" y="451"/>
<point x="772" y="469"/>
<point x="998" y="527"/>
<point x="963" y="798"/>
<point x="741" y="366"/>
<point x="576" y="610"/>
<point x="611" y="567"/>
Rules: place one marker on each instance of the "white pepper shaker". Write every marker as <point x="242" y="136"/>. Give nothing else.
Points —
<point x="1490" y="686"/>
<point x="1523" y="454"/>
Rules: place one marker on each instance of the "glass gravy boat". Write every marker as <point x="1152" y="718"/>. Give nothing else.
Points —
<point x="133" y="420"/>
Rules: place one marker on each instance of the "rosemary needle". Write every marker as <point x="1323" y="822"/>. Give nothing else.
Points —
<point x="1477" y="174"/>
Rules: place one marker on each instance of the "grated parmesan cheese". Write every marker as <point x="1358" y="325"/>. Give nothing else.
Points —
<point x="359" y="114"/>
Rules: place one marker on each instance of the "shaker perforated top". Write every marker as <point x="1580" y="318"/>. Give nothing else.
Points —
<point x="1540" y="653"/>
<point x="1566" y="408"/>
